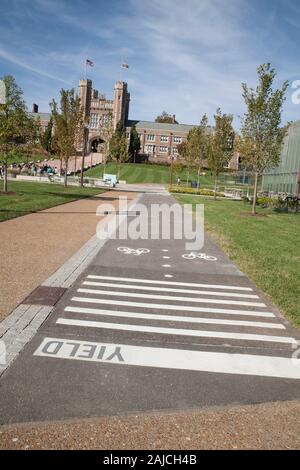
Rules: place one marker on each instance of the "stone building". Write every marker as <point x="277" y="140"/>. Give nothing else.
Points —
<point x="159" y="141"/>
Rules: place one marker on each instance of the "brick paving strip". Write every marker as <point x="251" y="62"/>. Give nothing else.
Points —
<point x="59" y="243"/>
<point x="267" y="426"/>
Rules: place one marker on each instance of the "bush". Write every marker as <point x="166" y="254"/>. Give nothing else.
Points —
<point x="199" y="192"/>
<point x="13" y="171"/>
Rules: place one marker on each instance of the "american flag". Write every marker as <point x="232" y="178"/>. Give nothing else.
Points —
<point x="124" y="66"/>
<point x="89" y="62"/>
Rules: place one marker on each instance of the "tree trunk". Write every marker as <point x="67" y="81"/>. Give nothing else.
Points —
<point x="255" y="194"/>
<point x="171" y="172"/>
<point x="216" y="184"/>
<point x="188" y="178"/>
<point x="5" y="179"/>
<point x="198" y="180"/>
<point x="66" y="173"/>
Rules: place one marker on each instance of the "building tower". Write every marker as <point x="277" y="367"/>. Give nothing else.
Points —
<point x="85" y="95"/>
<point x="121" y="103"/>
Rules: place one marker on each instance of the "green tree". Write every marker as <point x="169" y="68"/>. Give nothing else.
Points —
<point x="184" y="156"/>
<point x="198" y="146"/>
<point x="68" y="125"/>
<point x="46" y="138"/>
<point x="261" y="132"/>
<point x="164" y="117"/>
<point x="221" y="144"/>
<point x="18" y="132"/>
<point x="134" y="144"/>
<point x="118" y="146"/>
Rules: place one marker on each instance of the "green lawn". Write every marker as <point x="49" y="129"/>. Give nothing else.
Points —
<point x="150" y="173"/>
<point x="267" y="249"/>
<point x="29" y="197"/>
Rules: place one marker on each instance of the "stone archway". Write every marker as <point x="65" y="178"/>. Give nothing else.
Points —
<point x="97" y="145"/>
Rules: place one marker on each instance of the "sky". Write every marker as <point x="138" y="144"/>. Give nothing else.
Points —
<point x="186" y="57"/>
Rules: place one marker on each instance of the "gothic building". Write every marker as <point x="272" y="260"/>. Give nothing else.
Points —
<point x="159" y="141"/>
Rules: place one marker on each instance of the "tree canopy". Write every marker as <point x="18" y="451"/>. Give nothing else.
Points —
<point x="18" y="131"/>
<point x="164" y="117"/>
<point x="68" y="124"/>
<point x="261" y="133"/>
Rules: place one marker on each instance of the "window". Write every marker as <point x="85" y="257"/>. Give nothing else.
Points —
<point x="175" y="151"/>
<point x="105" y="119"/>
<point x="177" y="140"/>
<point x="94" y="121"/>
<point x="164" y="138"/>
<point x="149" y="148"/>
<point x="163" y="149"/>
<point x="151" y="137"/>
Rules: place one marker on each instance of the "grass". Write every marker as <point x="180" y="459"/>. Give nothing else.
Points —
<point x="27" y="197"/>
<point x="151" y="173"/>
<point x="266" y="248"/>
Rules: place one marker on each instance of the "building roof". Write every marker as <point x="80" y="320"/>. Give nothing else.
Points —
<point x="161" y="126"/>
<point x="42" y="116"/>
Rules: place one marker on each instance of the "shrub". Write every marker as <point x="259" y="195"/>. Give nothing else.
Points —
<point x="199" y="192"/>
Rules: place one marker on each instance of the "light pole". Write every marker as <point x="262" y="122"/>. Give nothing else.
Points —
<point x="85" y="135"/>
<point x="171" y="170"/>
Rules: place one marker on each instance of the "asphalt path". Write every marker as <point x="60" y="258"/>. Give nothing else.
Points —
<point x="150" y="327"/>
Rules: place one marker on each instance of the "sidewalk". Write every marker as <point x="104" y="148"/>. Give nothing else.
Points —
<point x="36" y="245"/>
<point x="268" y="426"/>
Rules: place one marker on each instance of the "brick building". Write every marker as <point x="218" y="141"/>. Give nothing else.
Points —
<point x="159" y="141"/>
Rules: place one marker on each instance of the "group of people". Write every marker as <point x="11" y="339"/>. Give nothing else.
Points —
<point x="31" y="169"/>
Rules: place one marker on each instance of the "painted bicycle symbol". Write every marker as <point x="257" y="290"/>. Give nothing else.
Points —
<point x="132" y="251"/>
<point x="203" y="256"/>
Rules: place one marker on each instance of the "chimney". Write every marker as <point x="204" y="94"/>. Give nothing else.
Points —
<point x="174" y="118"/>
<point x="35" y="108"/>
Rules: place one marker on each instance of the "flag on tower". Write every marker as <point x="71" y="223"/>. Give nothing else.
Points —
<point x="124" y="66"/>
<point x="89" y="62"/>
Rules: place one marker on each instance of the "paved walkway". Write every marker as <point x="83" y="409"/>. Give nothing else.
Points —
<point x="153" y="331"/>
<point x="36" y="245"/>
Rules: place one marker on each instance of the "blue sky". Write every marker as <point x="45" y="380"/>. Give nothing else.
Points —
<point x="185" y="57"/>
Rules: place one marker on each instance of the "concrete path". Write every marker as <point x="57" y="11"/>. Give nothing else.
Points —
<point x="34" y="246"/>
<point x="153" y="331"/>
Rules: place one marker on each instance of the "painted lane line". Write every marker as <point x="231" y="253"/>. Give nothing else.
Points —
<point x="142" y="356"/>
<point x="166" y="266"/>
<point x="186" y="284"/>
<point x="149" y="316"/>
<point x="170" y="297"/>
<point x="176" y="331"/>
<point x="166" y="257"/>
<point x="168" y="275"/>
<point x="170" y="290"/>
<point x="173" y="307"/>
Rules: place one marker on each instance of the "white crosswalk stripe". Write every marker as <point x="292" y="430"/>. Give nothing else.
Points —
<point x="201" y="313"/>
<point x="172" y="298"/>
<point x="173" y="318"/>
<point x="165" y="283"/>
<point x="163" y="289"/>
<point x="185" y="308"/>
